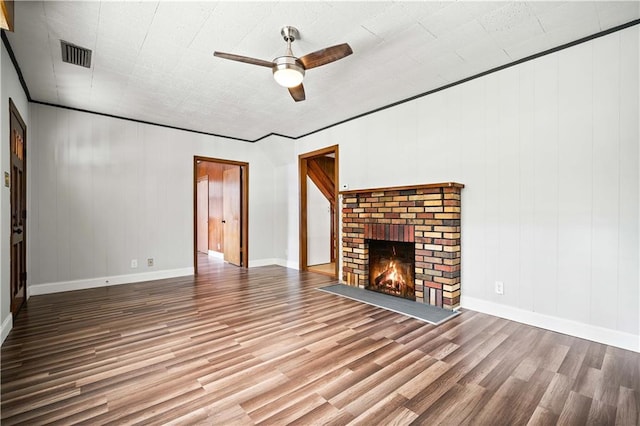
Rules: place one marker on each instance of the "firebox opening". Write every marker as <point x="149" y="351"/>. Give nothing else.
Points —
<point x="391" y="268"/>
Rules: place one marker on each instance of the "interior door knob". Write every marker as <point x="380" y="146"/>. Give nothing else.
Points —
<point x="17" y="231"/>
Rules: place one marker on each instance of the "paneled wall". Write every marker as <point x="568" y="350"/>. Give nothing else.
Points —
<point x="106" y="191"/>
<point x="548" y="153"/>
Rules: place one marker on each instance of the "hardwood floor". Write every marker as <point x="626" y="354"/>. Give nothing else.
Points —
<point x="237" y="346"/>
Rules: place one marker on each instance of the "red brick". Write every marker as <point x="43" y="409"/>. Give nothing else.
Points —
<point x="432" y="284"/>
<point x="445" y="242"/>
<point x="425" y="215"/>
<point x="447" y="268"/>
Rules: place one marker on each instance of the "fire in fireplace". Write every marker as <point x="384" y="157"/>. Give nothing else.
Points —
<point x="391" y="268"/>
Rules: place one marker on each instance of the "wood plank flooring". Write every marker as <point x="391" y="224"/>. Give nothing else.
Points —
<point x="236" y="346"/>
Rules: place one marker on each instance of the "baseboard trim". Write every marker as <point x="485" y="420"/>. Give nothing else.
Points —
<point x="289" y="264"/>
<point x="261" y="262"/>
<point x="275" y="261"/>
<point x="594" y="333"/>
<point x="58" y="287"/>
<point x="7" y="325"/>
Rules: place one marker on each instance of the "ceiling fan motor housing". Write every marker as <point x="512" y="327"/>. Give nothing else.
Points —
<point x="288" y="71"/>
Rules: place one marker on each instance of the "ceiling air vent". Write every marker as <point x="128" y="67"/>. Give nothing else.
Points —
<point x="75" y="55"/>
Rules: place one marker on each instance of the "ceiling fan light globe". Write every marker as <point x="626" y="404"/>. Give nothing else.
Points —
<point x="287" y="71"/>
<point x="288" y="77"/>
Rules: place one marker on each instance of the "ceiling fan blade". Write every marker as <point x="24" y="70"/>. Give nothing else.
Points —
<point x="326" y="56"/>
<point x="244" y="59"/>
<point x="297" y="93"/>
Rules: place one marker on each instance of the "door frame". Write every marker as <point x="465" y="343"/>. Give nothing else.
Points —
<point x="302" y="173"/>
<point x="13" y="110"/>
<point x="244" y="206"/>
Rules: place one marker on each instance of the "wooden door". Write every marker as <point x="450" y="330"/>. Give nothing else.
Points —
<point x="231" y="215"/>
<point x="18" y="137"/>
<point x="203" y="214"/>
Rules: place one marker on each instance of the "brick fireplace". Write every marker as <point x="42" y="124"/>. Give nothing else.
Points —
<point x="427" y="216"/>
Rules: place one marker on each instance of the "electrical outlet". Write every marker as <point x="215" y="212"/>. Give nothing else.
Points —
<point x="150" y="262"/>
<point x="134" y="263"/>
<point x="499" y="287"/>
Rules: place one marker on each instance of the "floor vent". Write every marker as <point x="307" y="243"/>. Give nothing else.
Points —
<point x="75" y="55"/>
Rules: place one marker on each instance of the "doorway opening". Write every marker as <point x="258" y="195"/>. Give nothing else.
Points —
<point x="221" y="210"/>
<point x="18" y="195"/>
<point x="318" y="211"/>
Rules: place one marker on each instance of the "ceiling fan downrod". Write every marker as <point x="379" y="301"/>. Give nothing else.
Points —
<point x="290" y="34"/>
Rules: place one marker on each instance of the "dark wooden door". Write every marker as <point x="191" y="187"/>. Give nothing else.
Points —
<point x="18" y="138"/>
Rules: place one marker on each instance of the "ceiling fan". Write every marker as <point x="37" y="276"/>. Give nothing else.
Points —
<point x="288" y="70"/>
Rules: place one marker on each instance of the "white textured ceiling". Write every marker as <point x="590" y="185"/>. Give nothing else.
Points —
<point x="153" y="61"/>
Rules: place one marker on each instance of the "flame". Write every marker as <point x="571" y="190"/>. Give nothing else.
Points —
<point x="392" y="276"/>
<point x="395" y="276"/>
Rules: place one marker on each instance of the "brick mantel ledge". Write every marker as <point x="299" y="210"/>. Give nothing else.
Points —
<point x="401" y="188"/>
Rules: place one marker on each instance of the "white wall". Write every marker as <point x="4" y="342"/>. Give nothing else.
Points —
<point x="285" y="205"/>
<point x="107" y="191"/>
<point x="548" y="151"/>
<point x="318" y="226"/>
<point x="10" y="88"/>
